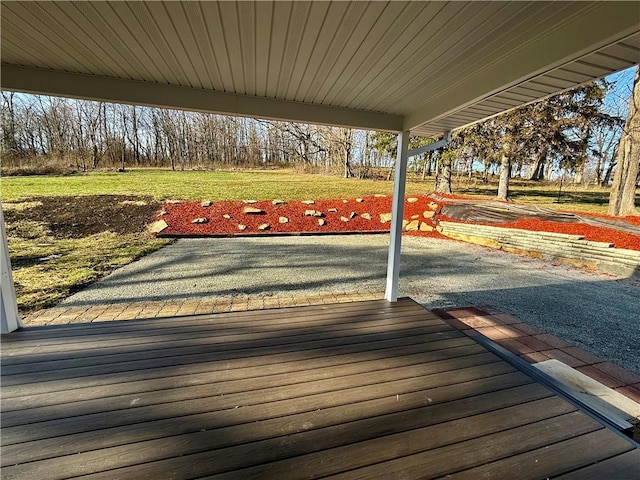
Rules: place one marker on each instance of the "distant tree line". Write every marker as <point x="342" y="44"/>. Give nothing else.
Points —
<point x="42" y="134"/>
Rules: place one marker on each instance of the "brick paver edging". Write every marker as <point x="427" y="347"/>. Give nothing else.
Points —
<point x="130" y="311"/>
<point x="535" y="346"/>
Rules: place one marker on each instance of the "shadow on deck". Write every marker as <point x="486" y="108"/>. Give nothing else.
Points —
<point x="353" y="390"/>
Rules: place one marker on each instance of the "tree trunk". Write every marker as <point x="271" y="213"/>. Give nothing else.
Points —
<point x="578" y="177"/>
<point x="347" y="164"/>
<point x="503" y="186"/>
<point x="623" y="191"/>
<point x="599" y="170"/>
<point x="505" y="167"/>
<point x="611" y="162"/>
<point x="443" y="184"/>
<point x="424" y="165"/>
<point x="538" y="169"/>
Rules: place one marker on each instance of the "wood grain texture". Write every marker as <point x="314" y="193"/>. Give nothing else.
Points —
<point x="360" y="390"/>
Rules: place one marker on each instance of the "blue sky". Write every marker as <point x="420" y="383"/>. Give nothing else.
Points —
<point x="621" y="90"/>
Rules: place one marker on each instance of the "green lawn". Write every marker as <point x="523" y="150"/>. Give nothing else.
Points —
<point x="589" y="199"/>
<point x="75" y="263"/>
<point x="196" y="185"/>
<point x="269" y="184"/>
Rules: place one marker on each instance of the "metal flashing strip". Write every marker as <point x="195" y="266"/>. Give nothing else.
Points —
<point x="618" y="425"/>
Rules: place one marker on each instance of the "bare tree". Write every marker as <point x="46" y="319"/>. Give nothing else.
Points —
<point x="625" y="181"/>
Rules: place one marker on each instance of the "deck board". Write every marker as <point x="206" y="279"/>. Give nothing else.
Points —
<point x="359" y="390"/>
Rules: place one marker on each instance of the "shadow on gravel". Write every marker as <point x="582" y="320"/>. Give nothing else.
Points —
<point x="591" y="311"/>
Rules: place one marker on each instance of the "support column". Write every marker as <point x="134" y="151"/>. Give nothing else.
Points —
<point x="397" y="212"/>
<point x="9" y="319"/>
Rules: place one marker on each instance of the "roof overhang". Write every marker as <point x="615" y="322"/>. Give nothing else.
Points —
<point x="427" y="67"/>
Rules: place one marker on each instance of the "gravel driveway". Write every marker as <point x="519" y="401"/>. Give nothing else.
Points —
<point x="597" y="312"/>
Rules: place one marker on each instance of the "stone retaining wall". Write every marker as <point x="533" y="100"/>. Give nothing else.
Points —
<point x="572" y="249"/>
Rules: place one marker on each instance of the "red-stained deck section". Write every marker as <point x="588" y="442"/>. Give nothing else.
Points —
<point x="352" y="390"/>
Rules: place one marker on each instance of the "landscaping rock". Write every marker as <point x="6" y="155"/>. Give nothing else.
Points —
<point x="385" y="217"/>
<point x="322" y="222"/>
<point x="359" y="200"/>
<point x="433" y="206"/>
<point x="277" y="202"/>
<point x="353" y="215"/>
<point x="424" y="227"/>
<point x="283" y="220"/>
<point x="404" y="223"/>
<point x="53" y="256"/>
<point x="200" y="220"/>
<point x="227" y="216"/>
<point x="412" y="226"/>
<point x="206" y="203"/>
<point x="428" y="214"/>
<point x="366" y="216"/>
<point x="379" y="195"/>
<point x="250" y="201"/>
<point x="345" y="201"/>
<point x="308" y="202"/>
<point x="164" y="212"/>
<point x="313" y="213"/>
<point x="333" y="210"/>
<point x="344" y="219"/>
<point x="412" y="200"/>
<point x="264" y="226"/>
<point x="413" y="217"/>
<point x="252" y="210"/>
<point x="172" y="202"/>
<point x="242" y="227"/>
<point x="157" y="227"/>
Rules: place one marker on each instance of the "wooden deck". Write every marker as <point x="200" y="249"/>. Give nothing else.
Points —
<point x="359" y="390"/>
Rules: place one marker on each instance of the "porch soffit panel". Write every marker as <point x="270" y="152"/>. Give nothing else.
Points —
<point x="424" y="66"/>
<point x="574" y="39"/>
<point x="625" y="53"/>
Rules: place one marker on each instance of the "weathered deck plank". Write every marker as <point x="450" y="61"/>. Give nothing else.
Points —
<point x="361" y="390"/>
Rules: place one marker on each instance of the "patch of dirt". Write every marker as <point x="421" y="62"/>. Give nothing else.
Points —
<point x="78" y="217"/>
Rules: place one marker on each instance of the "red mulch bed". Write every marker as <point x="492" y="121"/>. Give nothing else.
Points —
<point x="591" y="233"/>
<point x="180" y="215"/>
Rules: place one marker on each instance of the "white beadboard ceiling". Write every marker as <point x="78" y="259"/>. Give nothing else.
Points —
<point x="427" y="67"/>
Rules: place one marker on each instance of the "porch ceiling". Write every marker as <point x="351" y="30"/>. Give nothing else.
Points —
<point x="424" y="66"/>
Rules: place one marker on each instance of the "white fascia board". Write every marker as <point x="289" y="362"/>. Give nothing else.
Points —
<point x="431" y="147"/>
<point x="108" y="89"/>
<point x="9" y="317"/>
<point x="397" y="215"/>
<point x="604" y="24"/>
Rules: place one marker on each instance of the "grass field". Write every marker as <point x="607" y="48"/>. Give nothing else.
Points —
<point x="195" y="185"/>
<point x="75" y="262"/>
<point x="285" y="184"/>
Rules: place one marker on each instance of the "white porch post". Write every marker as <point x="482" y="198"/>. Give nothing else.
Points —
<point x="397" y="211"/>
<point x="9" y="319"/>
